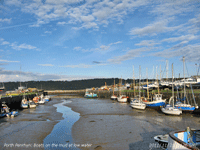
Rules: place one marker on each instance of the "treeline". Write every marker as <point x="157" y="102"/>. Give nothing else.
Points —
<point x="65" y="85"/>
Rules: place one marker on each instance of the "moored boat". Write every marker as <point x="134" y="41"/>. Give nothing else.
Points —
<point x="122" y="98"/>
<point x="90" y="95"/>
<point x="31" y="104"/>
<point x="183" y="140"/>
<point x="24" y="103"/>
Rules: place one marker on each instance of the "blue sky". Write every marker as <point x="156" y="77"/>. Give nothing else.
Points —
<point x="84" y="39"/>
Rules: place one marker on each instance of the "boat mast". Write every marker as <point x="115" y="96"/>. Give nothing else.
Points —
<point x="167" y="70"/>
<point x="184" y="77"/>
<point x="173" y="85"/>
<point x="114" y="87"/>
<point x="133" y="82"/>
<point x="157" y="79"/>
<point x="139" y="81"/>
<point x="147" y="84"/>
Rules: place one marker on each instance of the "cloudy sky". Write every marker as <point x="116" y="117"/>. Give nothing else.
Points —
<point x="81" y="39"/>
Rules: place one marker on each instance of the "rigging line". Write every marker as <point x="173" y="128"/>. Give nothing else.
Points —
<point x="198" y="70"/>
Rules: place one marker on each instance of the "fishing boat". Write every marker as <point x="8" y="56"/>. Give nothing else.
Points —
<point x="170" y="109"/>
<point x="90" y="95"/>
<point x="184" y="139"/>
<point x="24" y="103"/>
<point x="13" y="114"/>
<point x="31" y="104"/>
<point x="155" y="101"/>
<point x="137" y="102"/>
<point x="113" y="97"/>
<point x="182" y="104"/>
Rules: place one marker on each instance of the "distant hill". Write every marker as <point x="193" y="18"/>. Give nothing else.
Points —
<point x="65" y="85"/>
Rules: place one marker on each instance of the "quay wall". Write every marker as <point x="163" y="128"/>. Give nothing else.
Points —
<point x="108" y="94"/>
<point x="14" y="102"/>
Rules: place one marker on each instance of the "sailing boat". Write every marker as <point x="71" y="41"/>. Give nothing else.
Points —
<point x="156" y="100"/>
<point x="113" y="97"/>
<point x="122" y="98"/>
<point x="137" y="102"/>
<point x="185" y="106"/>
<point x="24" y="102"/>
<point x="168" y="109"/>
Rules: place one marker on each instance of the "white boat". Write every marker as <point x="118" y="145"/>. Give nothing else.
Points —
<point x="168" y="109"/>
<point x="184" y="140"/>
<point x="31" y="104"/>
<point x="41" y="101"/>
<point x="113" y="97"/>
<point x="138" y="104"/>
<point x="24" y="103"/>
<point x="46" y="98"/>
<point x="122" y="99"/>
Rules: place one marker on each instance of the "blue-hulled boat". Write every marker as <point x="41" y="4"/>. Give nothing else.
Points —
<point x="90" y="95"/>
<point x="156" y="101"/>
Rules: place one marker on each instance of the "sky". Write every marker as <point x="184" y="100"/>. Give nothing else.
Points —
<point x="61" y="40"/>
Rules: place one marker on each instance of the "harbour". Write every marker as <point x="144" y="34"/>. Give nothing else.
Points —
<point x="68" y="122"/>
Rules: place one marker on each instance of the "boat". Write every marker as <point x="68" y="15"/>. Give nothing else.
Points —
<point x="184" y="139"/>
<point x="13" y="114"/>
<point x="36" y="99"/>
<point x="181" y="103"/>
<point x="46" y="98"/>
<point x="155" y="101"/>
<point x="113" y="97"/>
<point x="31" y="104"/>
<point x="170" y="109"/>
<point x="137" y="102"/>
<point x="24" y="103"/>
<point x="162" y="140"/>
<point x="122" y="98"/>
<point x="90" y="95"/>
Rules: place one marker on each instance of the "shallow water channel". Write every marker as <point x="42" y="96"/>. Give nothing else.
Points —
<point x="60" y="137"/>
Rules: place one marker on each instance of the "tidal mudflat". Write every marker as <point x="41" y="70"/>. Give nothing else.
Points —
<point x="88" y="124"/>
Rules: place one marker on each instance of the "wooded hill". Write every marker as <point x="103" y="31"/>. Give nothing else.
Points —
<point x="65" y="85"/>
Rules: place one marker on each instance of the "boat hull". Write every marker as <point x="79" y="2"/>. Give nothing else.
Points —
<point x="155" y="104"/>
<point x="172" y="111"/>
<point x="142" y="107"/>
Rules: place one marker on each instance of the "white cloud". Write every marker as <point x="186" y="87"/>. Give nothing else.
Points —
<point x="191" y="52"/>
<point x="13" y="2"/>
<point x="102" y="48"/>
<point x="5" y="43"/>
<point x="129" y="55"/>
<point x="181" y="38"/>
<point x="23" y="46"/>
<point x="154" y="29"/>
<point x="62" y="23"/>
<point x="78" y="66"/>
<point x="83" y="14"/>
<point x="5" y="20"/>
<point x="46" y="65"/>
<point x="1" y="60"/>
<point x="147" y="43"/>
<point x="47" y="32"/>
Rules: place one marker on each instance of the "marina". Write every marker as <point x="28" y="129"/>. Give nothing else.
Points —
<point x="71" y="122"/>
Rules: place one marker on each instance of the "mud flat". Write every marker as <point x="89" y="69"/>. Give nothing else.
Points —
<point x="108" y="125"/>
<point x="28" y="130"/>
